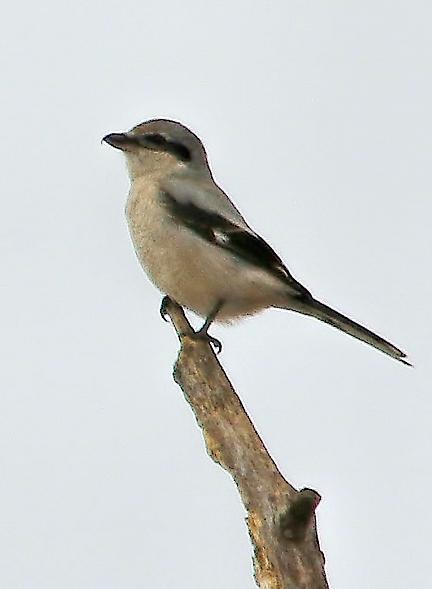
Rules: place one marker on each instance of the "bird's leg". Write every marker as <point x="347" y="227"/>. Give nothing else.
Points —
<point x="211" y="317"/>
<point x="203" y="332"/>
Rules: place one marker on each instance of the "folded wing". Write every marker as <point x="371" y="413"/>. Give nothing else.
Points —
<point x="241" y="242"/>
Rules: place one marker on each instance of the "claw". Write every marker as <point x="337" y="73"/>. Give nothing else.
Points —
<point x="200" y="334"/>
<point x="203" y="335"/>
<point x="163" y="308"/>
<point x="216" y="343"/>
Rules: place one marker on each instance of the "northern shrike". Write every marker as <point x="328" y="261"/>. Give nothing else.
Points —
<point x="195" y="245"/>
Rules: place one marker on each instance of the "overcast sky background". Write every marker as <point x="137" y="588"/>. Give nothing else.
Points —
<point x="316" y="117"/>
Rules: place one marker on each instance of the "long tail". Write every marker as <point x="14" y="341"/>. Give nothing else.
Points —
<point x="328" y="315"/>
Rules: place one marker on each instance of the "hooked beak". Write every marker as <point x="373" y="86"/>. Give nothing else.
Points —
<point x="120" y="140"/>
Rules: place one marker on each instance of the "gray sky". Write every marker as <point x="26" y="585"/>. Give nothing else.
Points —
<point x="317" y="122"/>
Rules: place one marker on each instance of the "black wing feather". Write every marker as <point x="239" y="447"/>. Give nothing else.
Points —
<point x="221" y="232"/>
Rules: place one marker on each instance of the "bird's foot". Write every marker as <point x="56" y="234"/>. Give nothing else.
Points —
<point x="163" y="308"/>
<point x="203" y="335"/>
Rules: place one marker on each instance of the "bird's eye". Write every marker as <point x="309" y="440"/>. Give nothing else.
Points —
<point x="180" y="151"/>
<point x="160" y="143"/>
<point x="155" y="139"/>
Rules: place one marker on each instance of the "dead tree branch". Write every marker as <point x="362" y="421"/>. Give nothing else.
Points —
<point x="281" y="520"/>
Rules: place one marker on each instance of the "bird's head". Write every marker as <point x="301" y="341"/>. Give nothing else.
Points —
<point x="159" y="145"/>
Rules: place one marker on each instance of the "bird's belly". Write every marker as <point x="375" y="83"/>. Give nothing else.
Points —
<point x="195" y="273"/>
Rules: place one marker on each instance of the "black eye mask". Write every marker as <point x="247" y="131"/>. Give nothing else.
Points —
<point x="160" y="143"/>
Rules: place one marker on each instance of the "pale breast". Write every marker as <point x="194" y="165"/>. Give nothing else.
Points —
<point x="173" y="258"/>
<point x="182" y="265"/>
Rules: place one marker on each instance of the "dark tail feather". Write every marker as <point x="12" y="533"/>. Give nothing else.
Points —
<point x="328" y="315"/>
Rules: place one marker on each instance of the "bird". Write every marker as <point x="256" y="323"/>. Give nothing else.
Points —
<point x="195" y="245"/>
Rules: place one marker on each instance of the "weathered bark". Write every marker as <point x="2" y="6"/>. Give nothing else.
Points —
<point x="281" y="520"/>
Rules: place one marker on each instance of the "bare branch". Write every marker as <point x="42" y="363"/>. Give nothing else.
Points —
<point x="281" y="520"/>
